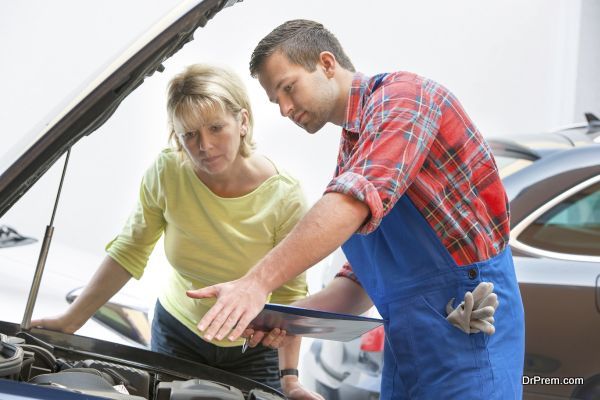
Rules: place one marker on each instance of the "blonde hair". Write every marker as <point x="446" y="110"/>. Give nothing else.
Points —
<point x="204" y="89"/>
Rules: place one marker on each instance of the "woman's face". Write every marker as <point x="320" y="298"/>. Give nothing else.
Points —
<point x="212" y="142"/>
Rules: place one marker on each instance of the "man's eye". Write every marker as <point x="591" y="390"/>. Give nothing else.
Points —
<point x="287" y="88"/>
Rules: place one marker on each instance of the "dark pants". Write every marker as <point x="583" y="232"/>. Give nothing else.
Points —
<point x="171" y="337"/>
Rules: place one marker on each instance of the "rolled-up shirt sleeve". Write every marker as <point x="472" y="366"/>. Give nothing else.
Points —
<point x="379" y="163"/>
<point x="359" y="187"/>
<point x="347" y="272"/>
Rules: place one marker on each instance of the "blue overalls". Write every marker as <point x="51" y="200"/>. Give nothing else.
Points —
<point x="410" y="276"/>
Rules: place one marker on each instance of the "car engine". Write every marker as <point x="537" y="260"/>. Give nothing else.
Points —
<point x="31" y="365"/>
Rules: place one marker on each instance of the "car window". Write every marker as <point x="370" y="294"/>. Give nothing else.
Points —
<point x="571" y="227"/>
<point x="131" y="323"/>
<point x="126" y="320"/>
<point x="510" y="165"/>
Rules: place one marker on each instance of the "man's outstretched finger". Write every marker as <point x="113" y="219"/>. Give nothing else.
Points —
<point x="242" y="324"/>
<point x="215" y="320"/>
<point x="209" y="317"/>
<point x="207" y="292"/>
<point x="229" y="324"/>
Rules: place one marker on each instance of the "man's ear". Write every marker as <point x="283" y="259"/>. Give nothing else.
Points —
<point x="328" y="63"/>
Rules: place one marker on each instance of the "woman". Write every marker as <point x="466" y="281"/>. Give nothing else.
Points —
<point x="221" y="208"/>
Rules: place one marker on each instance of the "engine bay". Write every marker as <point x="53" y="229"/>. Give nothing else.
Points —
<point x="45" y="364"/>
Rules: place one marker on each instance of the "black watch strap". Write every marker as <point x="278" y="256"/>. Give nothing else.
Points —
<point x="289" y="371"/>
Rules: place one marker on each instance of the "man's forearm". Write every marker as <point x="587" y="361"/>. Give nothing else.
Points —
<point x="325" y="227"/>
<point x="328" y="224"/>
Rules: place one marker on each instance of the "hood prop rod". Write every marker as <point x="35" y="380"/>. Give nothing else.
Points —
<point x="37" y="277"/>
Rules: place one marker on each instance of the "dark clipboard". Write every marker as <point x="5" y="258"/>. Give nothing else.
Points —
<point x="298" y="321"/>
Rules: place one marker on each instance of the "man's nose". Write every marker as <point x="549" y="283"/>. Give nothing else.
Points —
<point x="286" y="107"/>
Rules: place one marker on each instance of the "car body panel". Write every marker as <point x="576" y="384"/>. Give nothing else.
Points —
<point x="562" y="323"/>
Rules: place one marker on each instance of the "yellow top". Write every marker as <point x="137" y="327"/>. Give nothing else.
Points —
<point x="208" y="239"/>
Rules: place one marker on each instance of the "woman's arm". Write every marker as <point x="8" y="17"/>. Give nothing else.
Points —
<point x="108" y="280"/>
<point x="288" y="359"/>
<point x="333" y="298"/>
<point x="341" y="295"/>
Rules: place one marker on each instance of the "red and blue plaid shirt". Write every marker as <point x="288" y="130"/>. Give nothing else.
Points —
<point x="407" y="135"/>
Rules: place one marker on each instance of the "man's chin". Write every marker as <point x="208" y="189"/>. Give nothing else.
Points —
<point x="312" y="128"/>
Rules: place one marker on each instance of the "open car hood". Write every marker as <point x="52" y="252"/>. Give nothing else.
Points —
<point x="99" y="100"/>
<point x="41" y="364"/>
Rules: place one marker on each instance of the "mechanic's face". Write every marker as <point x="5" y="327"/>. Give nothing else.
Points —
<point x="212" y="140"/>
<point x="307" y="98"/>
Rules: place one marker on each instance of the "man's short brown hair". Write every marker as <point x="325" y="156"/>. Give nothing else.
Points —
<point x="302" y="42"/>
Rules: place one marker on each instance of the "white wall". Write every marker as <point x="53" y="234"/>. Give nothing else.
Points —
<point x="513" y="64"/>
<point x="587" y="93"/>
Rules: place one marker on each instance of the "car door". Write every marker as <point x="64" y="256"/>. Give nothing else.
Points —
<point x="557" y="256"/>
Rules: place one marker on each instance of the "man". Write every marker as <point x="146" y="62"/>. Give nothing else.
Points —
<point x="418" y="208"/>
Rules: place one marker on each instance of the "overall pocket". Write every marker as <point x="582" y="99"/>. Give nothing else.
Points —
<point x="448" y="361"/>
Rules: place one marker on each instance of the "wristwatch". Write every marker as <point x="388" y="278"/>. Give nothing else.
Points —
<point x="289" y="371"/>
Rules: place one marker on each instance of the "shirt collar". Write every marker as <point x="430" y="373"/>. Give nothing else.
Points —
<point x="360" y="83"/>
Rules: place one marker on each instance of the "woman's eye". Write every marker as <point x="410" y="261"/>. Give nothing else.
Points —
<point x="287" y="88"/>
<point x="216" y="128"/>
<point x="189" y="135"/>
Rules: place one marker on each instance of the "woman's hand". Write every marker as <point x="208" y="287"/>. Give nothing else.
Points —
<point x="60" y="323"/>
<point x="293" y="389"/>
<point x="274" y="339"/>
<point x="108" y="280"/>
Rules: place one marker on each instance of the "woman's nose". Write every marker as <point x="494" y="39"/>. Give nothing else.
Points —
<point x="203" y="141"/>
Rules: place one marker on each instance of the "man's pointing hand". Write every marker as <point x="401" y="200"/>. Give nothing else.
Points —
<point x="238" y="302"/>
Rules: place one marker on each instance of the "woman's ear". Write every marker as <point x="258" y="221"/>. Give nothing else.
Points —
<point x="244" y="120"/>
